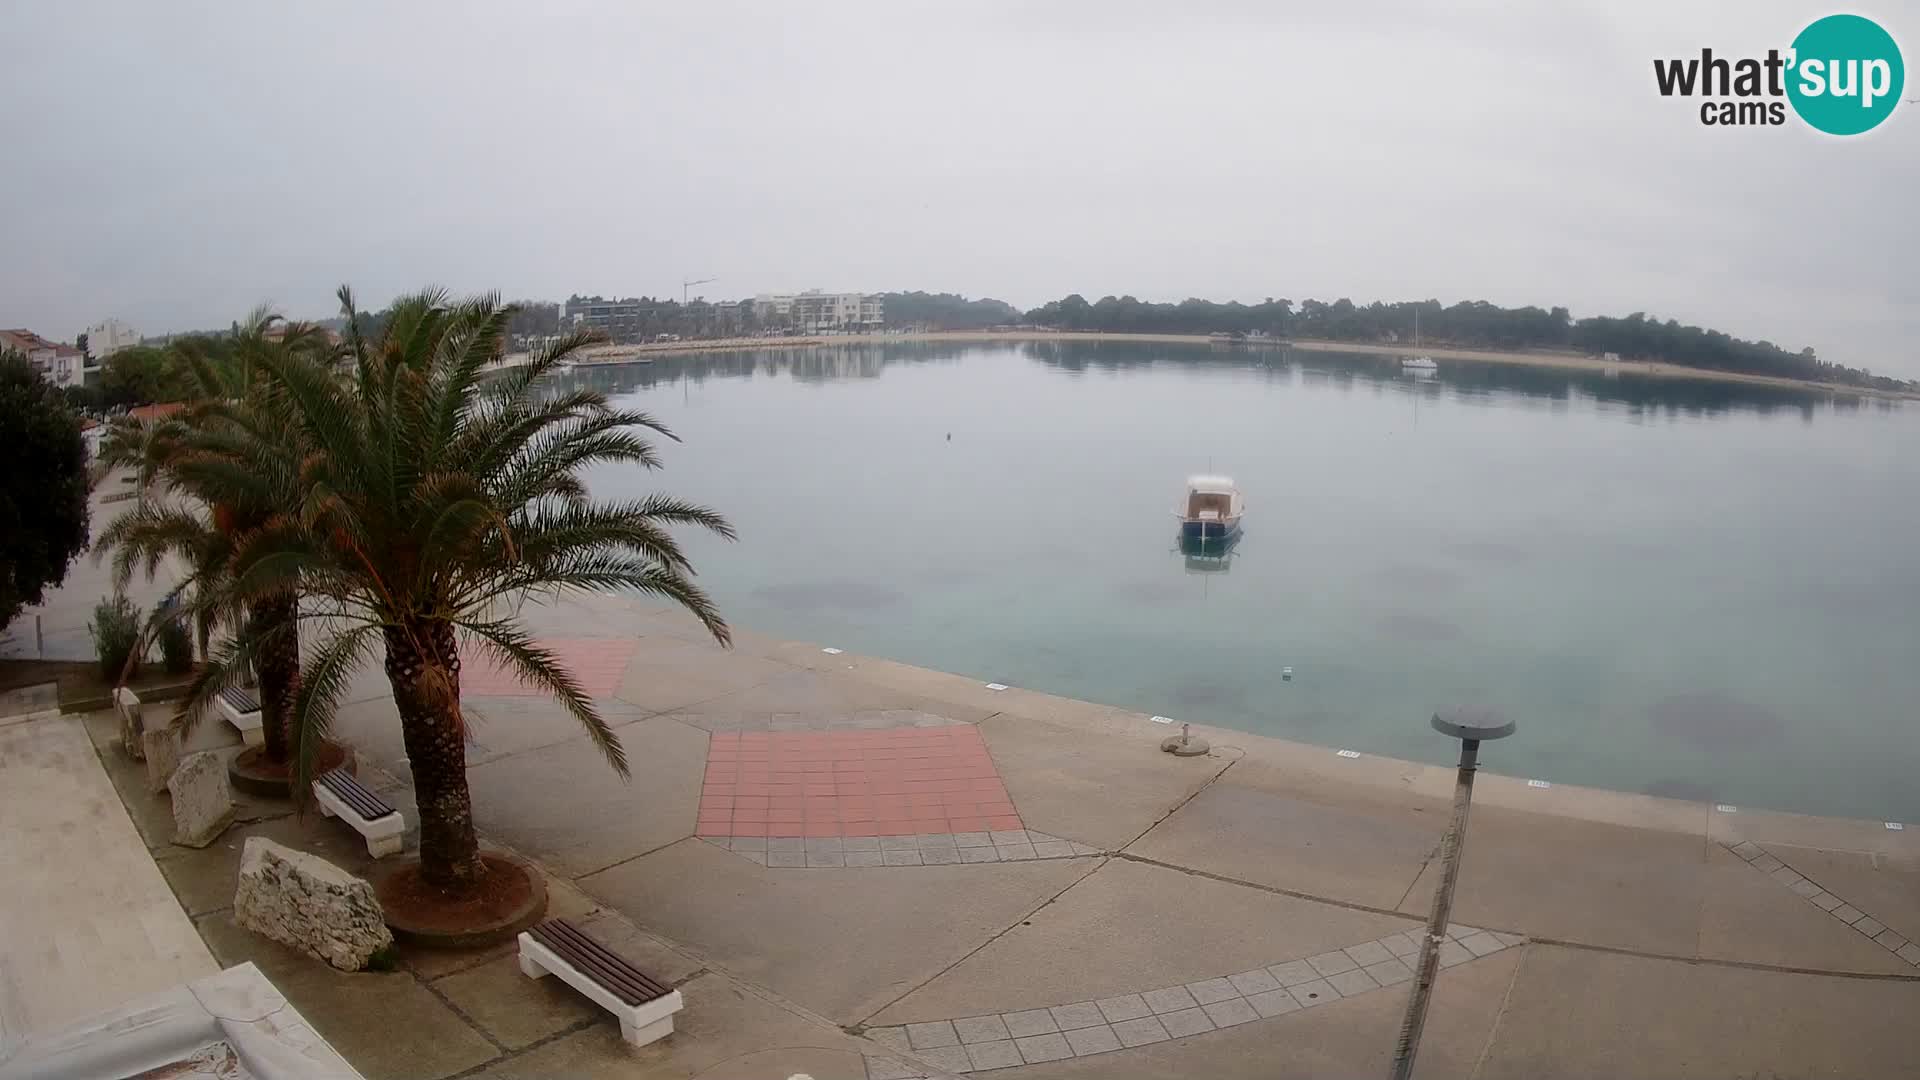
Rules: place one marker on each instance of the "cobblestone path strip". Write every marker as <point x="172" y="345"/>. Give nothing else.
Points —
<point x="1811" y="891"/>
<point x="1083" y="1028"/>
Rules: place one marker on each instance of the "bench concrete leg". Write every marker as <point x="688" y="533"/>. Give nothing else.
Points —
<point x="382" y="846"/>
<point x="646" y="1033"/>
<point x="531" y="968"/>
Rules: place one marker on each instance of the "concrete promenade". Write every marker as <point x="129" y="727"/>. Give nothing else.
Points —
<point x="816" y="847"/>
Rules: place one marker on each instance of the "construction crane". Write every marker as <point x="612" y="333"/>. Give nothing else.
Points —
<point x="685" y="285"/>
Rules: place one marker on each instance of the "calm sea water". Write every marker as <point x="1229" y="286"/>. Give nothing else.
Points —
<point x="1686" y="588"/>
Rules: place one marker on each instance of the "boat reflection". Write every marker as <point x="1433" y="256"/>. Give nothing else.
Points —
<point x="1211" y="555"/>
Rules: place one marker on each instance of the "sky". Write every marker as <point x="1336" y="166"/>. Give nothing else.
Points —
<point x="174" y="165"/>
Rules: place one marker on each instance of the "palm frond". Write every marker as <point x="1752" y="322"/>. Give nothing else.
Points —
<point x="519" y="653"/>
<point x="323" y="679"/>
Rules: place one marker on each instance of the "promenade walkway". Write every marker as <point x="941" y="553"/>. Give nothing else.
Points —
<point x="857" y="869"/>
<point x="86" y="920"/>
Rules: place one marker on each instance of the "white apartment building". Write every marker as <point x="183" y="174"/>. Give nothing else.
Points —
<point x="813" y="311"/>
<point x="59" y="364"/>
<point x="110" y="337"/>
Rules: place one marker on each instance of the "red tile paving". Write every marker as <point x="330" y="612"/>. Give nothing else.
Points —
<point x="598" y="663"/>
<point x="896" y="782"/>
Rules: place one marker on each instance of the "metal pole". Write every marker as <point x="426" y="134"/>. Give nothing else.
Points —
<point x="1450" y="847"/>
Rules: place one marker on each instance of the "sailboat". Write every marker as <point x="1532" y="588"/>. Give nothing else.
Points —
<point x="1419" y="361"/>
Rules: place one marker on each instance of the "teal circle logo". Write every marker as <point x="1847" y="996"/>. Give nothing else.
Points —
<point x="1846" y="74"/>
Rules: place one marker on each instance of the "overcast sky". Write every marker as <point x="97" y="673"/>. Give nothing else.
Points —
<point x="176" y="164"/>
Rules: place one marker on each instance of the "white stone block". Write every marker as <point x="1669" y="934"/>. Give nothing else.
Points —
<point x="202" y="799"/>
<point x="126" y="705"/>
<point x="163" y="751"/>
<point x="307" y="902"/>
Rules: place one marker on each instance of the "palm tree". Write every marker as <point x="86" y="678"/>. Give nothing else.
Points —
<point x="233" y="460"/>
<point x="435" y="495"/>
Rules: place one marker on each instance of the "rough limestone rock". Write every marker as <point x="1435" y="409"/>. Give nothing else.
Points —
<point x="163" y="756"/>
<point x="202" y="799"/>
<point x="309" y="903"/>
<point x="126" y="705"/>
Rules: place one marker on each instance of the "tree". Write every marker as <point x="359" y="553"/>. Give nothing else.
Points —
<point x="1469" y="323"/>
<point x="43" y="490"/>
<point x="81" y="344"/>
<point x="232" y="462"/>
<point x="431" y="501"/>
<point x="945" y="311"/>
<point x="143" y="374"/>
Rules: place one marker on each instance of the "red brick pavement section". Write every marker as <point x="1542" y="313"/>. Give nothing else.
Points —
<point x="896" y="782"/>
<point x="597" y="662"/>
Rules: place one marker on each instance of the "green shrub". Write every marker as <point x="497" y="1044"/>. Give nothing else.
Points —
<point x="116" y="633"/>
<point x="176" y="645"/>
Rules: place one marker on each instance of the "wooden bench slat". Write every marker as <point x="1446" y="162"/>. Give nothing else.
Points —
<point x="240" y="699"/>
<point x="587" y="943"/>
<point x="604" y="967"/>
<point x="350" y="791"/>
<point x="598" y="962"/>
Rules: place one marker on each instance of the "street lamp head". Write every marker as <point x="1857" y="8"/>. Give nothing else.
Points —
<point x="1480" y="724"/>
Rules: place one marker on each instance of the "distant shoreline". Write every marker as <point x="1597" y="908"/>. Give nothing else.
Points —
<point x="1568" y="361"/>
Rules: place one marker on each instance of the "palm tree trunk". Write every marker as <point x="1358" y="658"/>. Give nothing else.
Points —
<point x="278" y="662"/>
<point x="424" y="667"/>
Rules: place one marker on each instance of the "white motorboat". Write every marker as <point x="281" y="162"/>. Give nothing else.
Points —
<point x="1212" y="509"/>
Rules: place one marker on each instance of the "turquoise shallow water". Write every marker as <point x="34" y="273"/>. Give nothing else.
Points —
<point x="1687" y="588"/>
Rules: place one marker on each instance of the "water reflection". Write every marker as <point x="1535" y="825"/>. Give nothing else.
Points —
<point x="1209" y="556"/>
<point x="806" y="364"/>
<point x="1641" y="397"/>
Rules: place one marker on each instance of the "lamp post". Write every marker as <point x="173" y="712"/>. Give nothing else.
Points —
<point x="1471" y="727"/>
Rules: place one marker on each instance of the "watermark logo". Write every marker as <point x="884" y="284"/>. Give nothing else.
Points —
<point x="1842" y="75"/>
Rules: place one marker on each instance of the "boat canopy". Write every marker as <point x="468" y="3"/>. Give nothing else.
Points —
<point x="1211" y="485"/>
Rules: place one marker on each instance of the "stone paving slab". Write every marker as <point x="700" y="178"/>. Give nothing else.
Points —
<point x="360" y="1013"/>
<point x="1819" y="900"/>
<point x="1610" y="1014"/>
<point x="798" y="699"/>
<point x="725" y="1032"/>
<point x="1886" y="886"/>
<point x="564" y="805"/>
<point x="1749" y="917"/>
<point x="86" y="921"/>
<point x="500" y="726"/>
<point x="1129" y="928"/>
<point x="597" y="664"/>
<point x="513" y="1010"/>
<point x="1252" y="826"/>
<point x="673" y="674"/>
<point x="1103" y="791"/>
<point x="842" y="942"/>
<point x="1578" y="880"/>
<point x="1127" y="1021"/>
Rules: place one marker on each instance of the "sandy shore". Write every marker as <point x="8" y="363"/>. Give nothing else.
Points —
<point x="1562" y="359"/>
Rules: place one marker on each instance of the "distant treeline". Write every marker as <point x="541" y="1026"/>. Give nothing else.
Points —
<point x="1468" y="324"/>
<point x="946" y="311"/>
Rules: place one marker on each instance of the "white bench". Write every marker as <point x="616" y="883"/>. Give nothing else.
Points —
<point x="341" y="795"/>
<point x="645" y="1007"/>
<point x="242" y="709"/>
